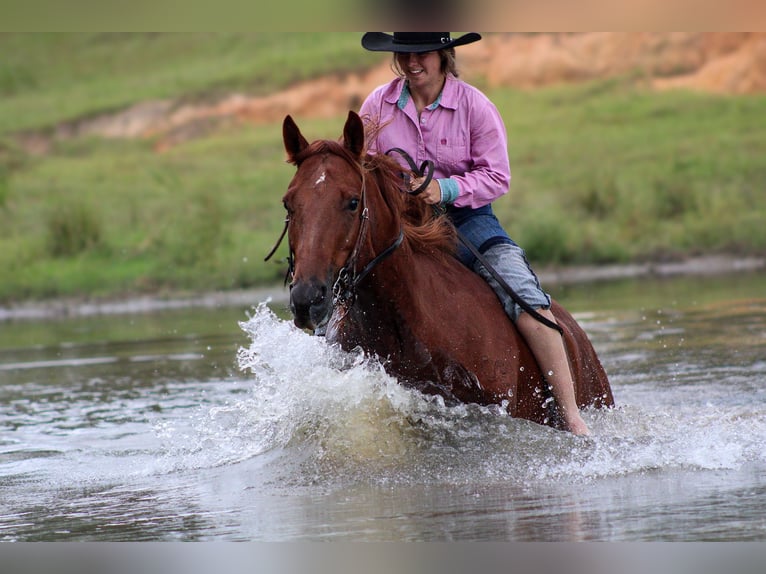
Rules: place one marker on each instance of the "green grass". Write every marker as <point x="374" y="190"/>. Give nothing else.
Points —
<point x="50" y="78"/>
<point x="200" y="216"/>
<point x="607" y="172"/>
<point x="602" y="172"/>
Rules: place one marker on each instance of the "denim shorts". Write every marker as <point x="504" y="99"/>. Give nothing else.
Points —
<point x="480" y="227"/>
<point x="483" y="230"/>
<point x="511" y="264"/>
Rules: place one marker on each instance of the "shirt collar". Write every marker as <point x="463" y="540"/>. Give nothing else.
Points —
<point x="404" y="96"/>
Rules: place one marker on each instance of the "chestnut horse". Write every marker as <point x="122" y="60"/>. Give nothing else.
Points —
<point x="373" y="268"/>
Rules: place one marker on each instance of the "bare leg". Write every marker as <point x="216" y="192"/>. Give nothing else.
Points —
<point x="548" y="349"/>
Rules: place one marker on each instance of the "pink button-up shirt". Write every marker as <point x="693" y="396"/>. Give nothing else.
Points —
<point x="462" y="133"/>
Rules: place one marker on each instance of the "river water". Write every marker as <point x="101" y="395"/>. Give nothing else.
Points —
<point x="230" y="424"/>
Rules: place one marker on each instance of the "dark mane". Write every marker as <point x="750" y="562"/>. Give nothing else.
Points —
<point x="426" y="232"/>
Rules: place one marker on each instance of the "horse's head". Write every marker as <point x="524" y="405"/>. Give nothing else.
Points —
<point x="324" y="202"/>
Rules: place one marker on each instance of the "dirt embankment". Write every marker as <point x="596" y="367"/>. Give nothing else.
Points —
<point x="727" y="63"/>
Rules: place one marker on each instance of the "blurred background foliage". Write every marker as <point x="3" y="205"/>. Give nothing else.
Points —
<point x="604" y="171"/>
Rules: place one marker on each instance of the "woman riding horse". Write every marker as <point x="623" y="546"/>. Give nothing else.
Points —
<point x="433" y="115"/>
<point x="370" y="263"/>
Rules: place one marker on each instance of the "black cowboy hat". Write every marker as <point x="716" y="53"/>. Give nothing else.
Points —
<point x="414" y="41"/>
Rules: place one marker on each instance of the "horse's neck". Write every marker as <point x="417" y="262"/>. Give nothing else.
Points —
<point x="392" y="288"/>
<point x="388" y="290"/>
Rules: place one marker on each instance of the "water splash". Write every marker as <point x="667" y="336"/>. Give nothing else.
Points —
<point x="316" y="415"/>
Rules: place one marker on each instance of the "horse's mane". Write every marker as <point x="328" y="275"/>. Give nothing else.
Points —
<point x="425" y="231"/>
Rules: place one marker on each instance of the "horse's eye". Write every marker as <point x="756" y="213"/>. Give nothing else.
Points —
<point x="353" y="204"/>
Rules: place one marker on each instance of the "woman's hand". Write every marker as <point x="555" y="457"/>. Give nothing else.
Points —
<point x="431" y="194"/>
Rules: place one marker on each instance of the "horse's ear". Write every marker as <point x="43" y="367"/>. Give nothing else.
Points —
<point x="353" y="134"/>
<point x="295" y="143"/>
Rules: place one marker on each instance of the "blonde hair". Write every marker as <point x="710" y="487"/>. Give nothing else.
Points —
<point x="448" y="63"/>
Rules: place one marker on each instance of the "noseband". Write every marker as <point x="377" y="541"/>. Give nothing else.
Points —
<point x="344" y="288"/>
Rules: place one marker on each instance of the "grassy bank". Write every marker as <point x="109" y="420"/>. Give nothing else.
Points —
<point x="606" y="172"/>
<point x="603" y="172"/>
<point x="50" y="78"/>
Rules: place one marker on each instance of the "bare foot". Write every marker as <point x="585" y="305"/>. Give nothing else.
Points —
<point x="577" y="426"/>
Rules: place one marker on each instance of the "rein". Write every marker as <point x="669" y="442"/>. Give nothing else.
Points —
<point x="290" y="259"/>
<point x="427" y="168"/>
<point x="344" y="289"/>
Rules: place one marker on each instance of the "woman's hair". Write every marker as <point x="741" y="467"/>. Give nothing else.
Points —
<point x="448" y="63"/>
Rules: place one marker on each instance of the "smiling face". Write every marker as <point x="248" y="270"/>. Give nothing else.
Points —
<point x="423" y="71"/>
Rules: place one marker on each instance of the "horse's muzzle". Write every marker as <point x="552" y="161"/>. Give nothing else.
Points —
<point x="310" y="303"/>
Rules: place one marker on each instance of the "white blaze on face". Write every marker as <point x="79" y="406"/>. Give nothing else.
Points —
<point x="320" y="179"/>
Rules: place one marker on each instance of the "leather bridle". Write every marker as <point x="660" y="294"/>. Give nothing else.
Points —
<point x="344" y="288"/>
